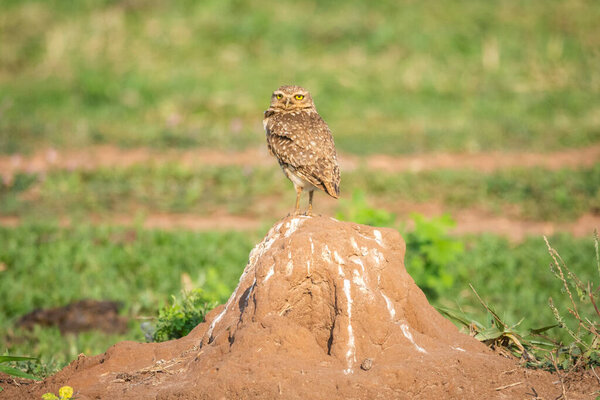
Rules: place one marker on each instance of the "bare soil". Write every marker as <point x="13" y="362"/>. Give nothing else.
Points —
<point x="468" y="221"/>
<point x="323" y="310"/>
<point x="82" y="315"/>
<point x="111" y="156"/>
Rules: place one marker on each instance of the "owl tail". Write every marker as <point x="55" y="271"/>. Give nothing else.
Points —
<point x="332" y="189"/>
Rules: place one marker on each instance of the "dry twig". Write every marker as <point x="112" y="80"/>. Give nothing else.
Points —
<point x="560" y="378"/>
<point x="508" y="386"/>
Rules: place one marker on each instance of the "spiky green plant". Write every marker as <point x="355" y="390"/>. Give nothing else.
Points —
<point x="12" y="371"/>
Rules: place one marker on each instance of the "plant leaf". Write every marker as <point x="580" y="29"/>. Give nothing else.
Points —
<point x="17" y="372"/>
<point x="544" y="329"/>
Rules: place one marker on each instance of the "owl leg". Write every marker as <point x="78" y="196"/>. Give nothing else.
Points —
<point x="310" y="197"/>
<point x="298" y="192"/>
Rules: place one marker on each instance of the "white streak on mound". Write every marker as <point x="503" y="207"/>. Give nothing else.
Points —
<point x="408" y="335"/>
<point x="290" y="265"/>
<point x="351" y="353"/>
<point x="326" y="254"/>
<point x="270" y="273"/>
<point x="354" y="244"/>
<point x="377" y="256"/>
<point x="390" y="306"/>
<point x="293" y="225"/>
<point x="358" y="261"/>
<point x="358" y="280"/>
<point x="338" y="259"/>
<point x="378" y="237"/>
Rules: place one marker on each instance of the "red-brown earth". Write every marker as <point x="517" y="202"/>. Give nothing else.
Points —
<point x="323" y="310"/>
<point x="93" y="157"/>
<point x="469" y="220"/>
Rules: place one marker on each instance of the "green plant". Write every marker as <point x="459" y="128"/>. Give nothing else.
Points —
<point x="140" y="268"/>
<point x="410" y="101"/>
<point x="429" y="250"/>
<point x="358" y="210"/>
<point x="14" y="371"/>
<point x="182" y="315"/>
<point x="584" y="349"/>
<point x="536" y="348"/>
<point x="498" y="334"/>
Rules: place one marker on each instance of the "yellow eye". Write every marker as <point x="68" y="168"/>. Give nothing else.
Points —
<point x="299" y="96"/>
<point x="279" y="96"/>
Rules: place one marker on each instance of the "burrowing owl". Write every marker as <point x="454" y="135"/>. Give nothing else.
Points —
<point x="302" y="143"/>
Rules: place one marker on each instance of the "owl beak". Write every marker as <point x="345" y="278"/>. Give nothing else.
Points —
<point x="287" y="102"/>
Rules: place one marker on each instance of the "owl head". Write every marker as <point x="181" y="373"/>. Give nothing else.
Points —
<point x="291" y="98"/>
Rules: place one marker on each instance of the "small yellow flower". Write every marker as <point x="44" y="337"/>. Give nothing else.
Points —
<point x="49" y="396"/>
<point x="65" y="392"/>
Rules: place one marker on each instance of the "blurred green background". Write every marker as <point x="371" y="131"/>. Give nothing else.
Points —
<point x="396" y="78"/>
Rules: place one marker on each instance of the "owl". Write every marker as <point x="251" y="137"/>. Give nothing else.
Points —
<point x="302" y="143"/>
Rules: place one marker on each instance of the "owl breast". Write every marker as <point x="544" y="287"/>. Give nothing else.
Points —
<point x="302" y="143"/>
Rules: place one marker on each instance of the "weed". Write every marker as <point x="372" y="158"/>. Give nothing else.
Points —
<point x="584" y="329"/>
<point x="358" y="210"/>
<point x="182" y="315"/>
<point x="64" y="393"/>
<point x="580" y="348"/>
<point x="15" y="371"/>
<point x="429" y="251"/>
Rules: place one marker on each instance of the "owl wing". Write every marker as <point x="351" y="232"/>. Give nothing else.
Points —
<point x="304" y="142"/>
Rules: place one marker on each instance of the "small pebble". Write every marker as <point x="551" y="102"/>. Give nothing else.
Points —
<point x="366" y="364"/>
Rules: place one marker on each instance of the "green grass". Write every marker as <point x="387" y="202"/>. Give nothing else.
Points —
<point x="536" y="193"/>
<point x="388" y="77"/>
<point x="392" y="77"/>
<point x="516" y="278"/>
<point x="46" y="266"/>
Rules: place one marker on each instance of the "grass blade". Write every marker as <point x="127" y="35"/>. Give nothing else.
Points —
<point x="17" y="372"/>
<point x="4" y="359"/>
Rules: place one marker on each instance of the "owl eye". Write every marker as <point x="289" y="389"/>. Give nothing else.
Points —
<point x="299" y="96"/>
<point x="279" y="96"/>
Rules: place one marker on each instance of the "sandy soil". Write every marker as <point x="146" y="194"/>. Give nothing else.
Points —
<point x="111" y="156"/>
<point x="468" y="220"/>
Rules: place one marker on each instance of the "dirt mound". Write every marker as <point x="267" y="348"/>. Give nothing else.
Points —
<point x="323" y="310"/>
<point x="82" y="315"/>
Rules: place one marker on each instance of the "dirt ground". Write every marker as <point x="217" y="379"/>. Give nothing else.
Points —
<point x="468" y="220"/>
<point x="323" y="310"/>
<point x="112" y="156"/>
<point x="79" y="316"/>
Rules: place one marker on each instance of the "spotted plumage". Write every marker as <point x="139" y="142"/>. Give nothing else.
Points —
<point x="302" y="143"/>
